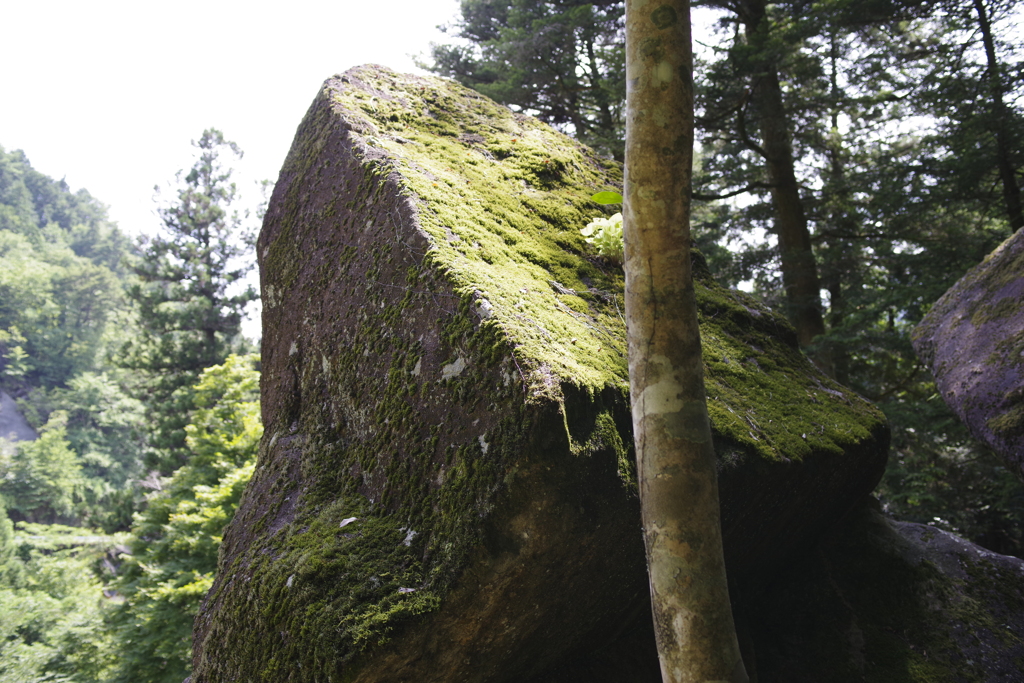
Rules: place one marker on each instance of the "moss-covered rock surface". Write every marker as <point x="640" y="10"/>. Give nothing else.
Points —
<point x="973" y="341"/>
<point x="445" y="489"/>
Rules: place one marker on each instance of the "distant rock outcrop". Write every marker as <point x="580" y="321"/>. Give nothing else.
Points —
<point x="447" y="463"/>
<point x="13" y="426"/>
<point x="973" y="341"/>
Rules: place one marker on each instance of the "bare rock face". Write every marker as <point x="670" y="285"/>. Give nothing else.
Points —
<point x="445" y="489"/>
<point x="973" y="341"/>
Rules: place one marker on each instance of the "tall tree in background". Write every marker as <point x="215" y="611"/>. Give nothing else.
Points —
<point x="560" y="61"/>
<point x="1005" y="143"/>
<point x="675" y="456"/>
<point x="188" y="312"/>
<point x="771" y="101"/>
<point x="972" y="88"/>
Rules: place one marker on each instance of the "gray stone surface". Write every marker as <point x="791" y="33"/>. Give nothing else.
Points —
<point x="13" y="426"/>
<point x="973" y="342"/>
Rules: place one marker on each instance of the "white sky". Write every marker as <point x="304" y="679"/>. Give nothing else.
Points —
<point x="109" y="94"/>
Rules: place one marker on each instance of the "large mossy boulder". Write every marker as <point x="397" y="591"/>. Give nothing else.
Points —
<point x="973" y="341"/>
<point x="445" y="490"/>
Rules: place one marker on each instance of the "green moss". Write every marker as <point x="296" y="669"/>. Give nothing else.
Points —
<point x="505" y="200"/>
<point x="607" y="435"/>
<point x="1001" y="308"/>
<point x="321" y="589"/>
<point x="1009" y="423"/>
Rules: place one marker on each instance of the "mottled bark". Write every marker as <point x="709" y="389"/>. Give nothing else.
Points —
<point x="675" y="457"/>
<point x="1004" y="143"/>
<point x="799" y="269"/>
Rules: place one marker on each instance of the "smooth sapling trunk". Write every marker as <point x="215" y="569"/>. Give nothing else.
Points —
<point x="675" y="458"/>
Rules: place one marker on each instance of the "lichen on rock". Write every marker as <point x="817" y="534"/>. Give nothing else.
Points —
<point x="973" y="341"/>
<point x="447" y="464"/>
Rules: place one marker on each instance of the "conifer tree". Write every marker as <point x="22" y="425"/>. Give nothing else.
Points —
<point x="189" y="313"/>
<point x="559" y="61"/>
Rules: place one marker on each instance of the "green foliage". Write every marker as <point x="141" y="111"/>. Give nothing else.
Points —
<point x="939" y="475"/>
<point x="175" y="539"/>
<point x="60" y="262"/>
<point x="54" y="307"/>
<point x="606" y="235"/>
<point x="607" y="198"/>
<point x="52" y="604"/>
<point x="44" y="210"/>
<point x="105" y="427"/>
<point x="60" y="296"/>
<point x="188" y="311"/>
<point x="43" y="480"/>
<point x="104" y="424"/>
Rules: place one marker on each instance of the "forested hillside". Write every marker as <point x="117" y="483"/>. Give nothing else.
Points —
<point x="124" y="357"/>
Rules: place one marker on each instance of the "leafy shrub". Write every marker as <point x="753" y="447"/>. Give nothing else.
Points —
<point x="606" y="235"/>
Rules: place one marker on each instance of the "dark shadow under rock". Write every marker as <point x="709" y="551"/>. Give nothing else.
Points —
<point x="880" y="600"/>
<point x="876" y="601"/>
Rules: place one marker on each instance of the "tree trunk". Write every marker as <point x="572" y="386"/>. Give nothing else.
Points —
<point x="1004" y="143"/>
<point x="606" y="123"/>
<point x="840" y="267"/>
<point x="675" y="458"/>
<point x="799" y="269"/>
